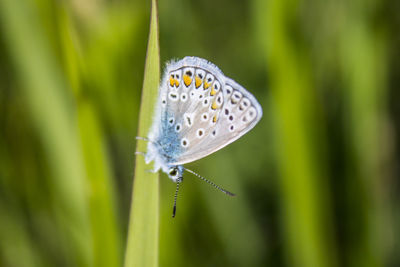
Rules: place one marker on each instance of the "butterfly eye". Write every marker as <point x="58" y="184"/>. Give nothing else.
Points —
<point x="173" y="172"/>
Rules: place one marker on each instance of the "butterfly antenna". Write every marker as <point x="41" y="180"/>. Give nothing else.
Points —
<point x="211" y="183"/>
<point x="176" y="196"/>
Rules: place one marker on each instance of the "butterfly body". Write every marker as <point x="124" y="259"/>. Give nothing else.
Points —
<point x="198" y="111"/>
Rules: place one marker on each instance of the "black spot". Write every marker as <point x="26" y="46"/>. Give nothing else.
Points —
<point x="226" y="111"/>
<point x="200" y="96"/>
<point x="214" y="132"/>
<point x="177" y="76"/>
<point x="173" y="76"/>
<point x="184" y="143"/>
<point x="209" y="80"/>
<point x="216" y="87"/>
<point x="231" y="127"/>
<point x="240" y="108"/>
<point x="205" y="116"/>
<point x="178" y="127"/>
<point x="231" y="118"/>
<point x="164" y="102"/>
<point x="245" y="103"/>
<point x="200" y="132"/>
<point x="205" y="101"/>
<point x="244" y="119"/>
<point x="189" y="73"/>
<point x="251" y="113"/>
<point x="173" y="172"/>
<point x="219" y="100"/>
<point x="173" y="96"/>
<point x="200" y="75"/>
<point x="228" y="91"/>
<point x="183" y="97"/>
<point x="171" y="121"/>
<point x="236" y="96"/>
<point x="188" y="120"/>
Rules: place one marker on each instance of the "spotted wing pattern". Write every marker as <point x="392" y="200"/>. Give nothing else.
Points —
<point x="204" y="109"/>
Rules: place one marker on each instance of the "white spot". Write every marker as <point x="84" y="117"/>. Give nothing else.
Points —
<point x="173" y="96"/>
<point x="184" y="142"/>
<point x="189" y="72"/>
<point x="220" y="99"/>
<point x="164" y="100"/>
<point x="235" y="98"/>
<point x="200" y="133"/>
<point x="228" y="90"/>
<point x="251" y="113"/>
<point x="178" y="127"/>
<point x="227" y="111"/>
<point x="178" y="75"/>
<point x="244" y="104"/>
<point x="189" y="119"/>
<point x="204" y="116"/>
<point x="206" y="102"/>
<point x="184" y="97"/>
<point x="216" y="86"/>
<point x="209" y="79"/>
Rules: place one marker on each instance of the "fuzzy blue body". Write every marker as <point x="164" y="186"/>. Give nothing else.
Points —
<point x="169" y="141"/>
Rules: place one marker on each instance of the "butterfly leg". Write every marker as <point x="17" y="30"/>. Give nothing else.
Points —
<point x="144" y="155"/>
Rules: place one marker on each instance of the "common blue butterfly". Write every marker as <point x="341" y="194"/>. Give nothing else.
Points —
<point x="198" y="111"/>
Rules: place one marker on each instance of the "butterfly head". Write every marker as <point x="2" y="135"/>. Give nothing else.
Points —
<point x="175" y="173"/>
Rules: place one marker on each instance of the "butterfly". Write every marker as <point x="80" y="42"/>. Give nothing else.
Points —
<point x="198" y="111"/>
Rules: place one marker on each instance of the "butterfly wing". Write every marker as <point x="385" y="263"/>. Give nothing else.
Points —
<point x="204" y="109"/>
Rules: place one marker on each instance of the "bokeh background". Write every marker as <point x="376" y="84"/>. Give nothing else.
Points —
<point x="317" y="180"/>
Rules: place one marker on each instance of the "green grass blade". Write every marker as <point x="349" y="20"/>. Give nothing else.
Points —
<point x="143" y="237"/>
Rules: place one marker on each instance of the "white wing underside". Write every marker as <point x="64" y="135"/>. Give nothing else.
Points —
<point x="210" y="115"/>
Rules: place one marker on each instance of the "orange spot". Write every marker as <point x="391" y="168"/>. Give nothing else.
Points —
<point x="198" y="81"/>
<point x="213" y="92"/>
<point x="215" y="118"/>
<point x="206" y="85"/>
<point x="176" y="83"/>
<point x="171" y="80"/>
<point x="187" y="80"/>
<point x="214" y="105"/>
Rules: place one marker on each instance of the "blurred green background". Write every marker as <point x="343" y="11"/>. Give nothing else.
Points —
<point x="317" y="179"/>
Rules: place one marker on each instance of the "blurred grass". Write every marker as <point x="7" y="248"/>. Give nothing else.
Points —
<point x="316" y="181"/>
<point x="50" y="109"/>
<point x="143" y="234"/>
<point x="300" y="135"/>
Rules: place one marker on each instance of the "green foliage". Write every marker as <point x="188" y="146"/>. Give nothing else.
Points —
<point x="316" y="180"/>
